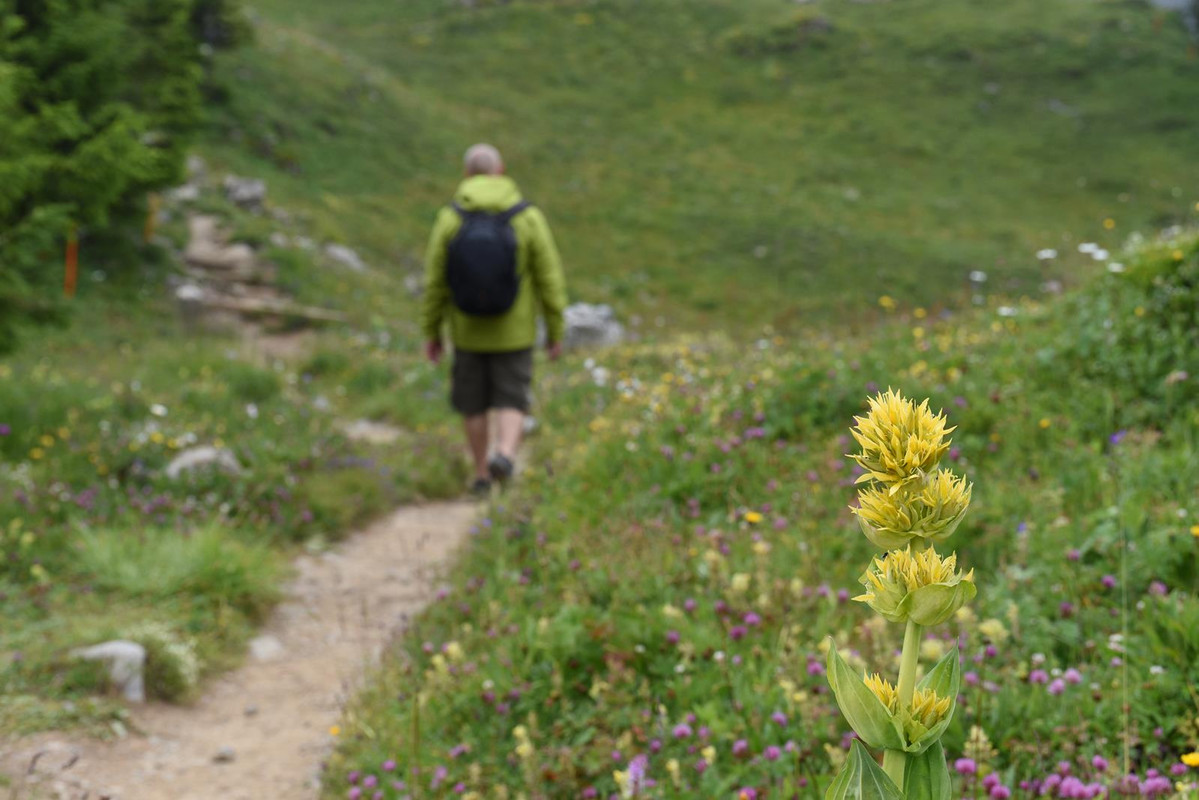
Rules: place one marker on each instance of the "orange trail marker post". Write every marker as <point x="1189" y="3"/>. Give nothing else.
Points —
<point x="71" y="277"/>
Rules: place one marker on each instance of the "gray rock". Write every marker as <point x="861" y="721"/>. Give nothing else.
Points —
<point x="590" y="325"/>
<point x="206" y="248"/>
<point x="126" y="666"/>
<point x="415" y="284"/>
<point x="345" y="257"/>
<point x="266" y="648"/>
<point x="203" y="457"/>
<point x="191" y="302"/>
<point x="1060" y="108"/>
<point x="196" y="168"/>
<point x="187" y="193"/>
<point x="371" y="432"/>
<point x="246" y="192"/>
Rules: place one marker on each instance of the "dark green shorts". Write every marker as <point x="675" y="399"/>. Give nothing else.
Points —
<point x="483" y="381"/>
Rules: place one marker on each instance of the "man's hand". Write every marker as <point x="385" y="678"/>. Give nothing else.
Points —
<point x="555" y="350"/>
<point x="434" y="351"/>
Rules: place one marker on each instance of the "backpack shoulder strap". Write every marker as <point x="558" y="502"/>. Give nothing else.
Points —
<point x="506" y="216"/>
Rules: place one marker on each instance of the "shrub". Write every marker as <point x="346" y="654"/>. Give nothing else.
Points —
<point x="172" y="670"/>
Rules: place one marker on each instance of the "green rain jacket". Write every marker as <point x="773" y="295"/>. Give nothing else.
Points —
<point x="542" y="284"/>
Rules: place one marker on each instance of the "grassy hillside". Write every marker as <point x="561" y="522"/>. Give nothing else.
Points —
<point x="724" y="162"/>
<point x="664" y="584"/>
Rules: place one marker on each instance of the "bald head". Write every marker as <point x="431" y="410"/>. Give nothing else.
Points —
<point x="483" y="159"/>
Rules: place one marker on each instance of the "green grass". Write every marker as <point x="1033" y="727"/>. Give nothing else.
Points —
<point x="98" y="543"/>
<point x="610" y="599"/>
<point x="702" y="162"/>
<point x="205" y="565"/>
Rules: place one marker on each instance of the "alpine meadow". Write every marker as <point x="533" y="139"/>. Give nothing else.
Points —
<point x="883" y="483"/>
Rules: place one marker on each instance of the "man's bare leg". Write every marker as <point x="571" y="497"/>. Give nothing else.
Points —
<point x="476" y="438"/>
<point x="511" y="424"/>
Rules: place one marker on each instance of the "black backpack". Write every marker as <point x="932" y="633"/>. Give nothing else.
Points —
<point x="481" y="262"/>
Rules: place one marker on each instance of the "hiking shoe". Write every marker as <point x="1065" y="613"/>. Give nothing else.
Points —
<point x="481" y="487"/>
<point x="500" y="467"/>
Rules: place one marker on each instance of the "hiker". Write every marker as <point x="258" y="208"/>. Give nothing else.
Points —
<point x="490" y="267"/>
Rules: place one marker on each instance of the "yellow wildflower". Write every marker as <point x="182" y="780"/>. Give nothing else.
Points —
<point x="753" y="517"/>
<point x="1044" y="423"/>
<point x="739" y="583"/>
<point x="1109" y="223"/>
<point x="709" y="754"/>
<point x="900" y="441"/>
<point x="994" y="630"/>
<point x="1195" y="531"/>
<point x="927" y="708"/>
<point x="672" y="768"/>
<point x="931" y="649"/>
<point x="930" y="511"/>
<point x="335" y="730"/>
<point x="883" y="690"/>
<point x="1191" y="759"/>
<point x="923" y="587"/>
<point x="887" y="302"/>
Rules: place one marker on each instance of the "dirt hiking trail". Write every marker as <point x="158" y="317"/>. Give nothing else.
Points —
<point x="262" y="731"/>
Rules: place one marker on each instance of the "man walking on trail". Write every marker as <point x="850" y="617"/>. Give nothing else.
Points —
<point x="491" y="266"/>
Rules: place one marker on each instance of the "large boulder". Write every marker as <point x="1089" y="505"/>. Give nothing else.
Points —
<point x="589" y="325"/>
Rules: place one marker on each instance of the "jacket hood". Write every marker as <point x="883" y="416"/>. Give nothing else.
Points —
<point x="489" y="193"/>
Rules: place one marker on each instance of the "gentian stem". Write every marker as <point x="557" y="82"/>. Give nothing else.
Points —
<point x="894" y="761"/>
